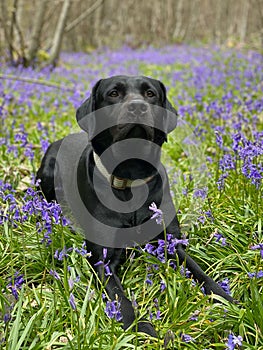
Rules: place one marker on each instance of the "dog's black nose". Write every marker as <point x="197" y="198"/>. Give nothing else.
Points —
<point x="137" y="107"/>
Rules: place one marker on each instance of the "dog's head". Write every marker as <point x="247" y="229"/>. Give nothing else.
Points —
<point x="127" y="107"/>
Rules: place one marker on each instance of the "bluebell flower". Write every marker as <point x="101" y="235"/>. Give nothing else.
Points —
<point x="184" y="191"/>
<point x="233" y="341"/>
<point x="194" y="316"/>
<point x="70" y="283"/>
<point x="227" y="162"/>
<point x="162" y="285"/>
<point x="72" y="302"/>
<point x="209" y="215"/>
<point x="104" y="253"/>
<point x="157" y="213"/>
<point x="106" y="266"/>
<point x="220" y="238"/>
<point x="157" y="314"/>
<point x="149" y="248"/>
<point x="185" y="272"/>
<point x="219" y="139"/>
<point x="15" y="284"/>
<point x="29" y="153"/>
<point x="107" y="270"/>
<point x="44" y="145"/>
<point x="258" y="274"/>
<point x="113" y="311"/>
<point x="258" y="247"/>
<point x="148" y="280"/>
<point x="201" y="219"/>
<point x="46" y="237"/>
<point x="62" y="254"/>
<point x="7" y="317"/>
<point x="221" y="181"/>
<point x="200" y="193"/>
<point x="225" y="285"/>
<point x="21" y="138"/>
<point x="173" y="265"/>
<point x="54" y="274"/>
<point x="170" y="245"/>
<point x="83" y="251"/>
<point x="186" y="338"/>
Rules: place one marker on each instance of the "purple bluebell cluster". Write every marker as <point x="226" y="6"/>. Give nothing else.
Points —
<point x="220" y="238"/>
<point x="239" y="149"/>
<point x="105" y="265"/>
<point x="258" y="247"/>
<point x="156" y="314"/>
<point x="112" y="310"/>
<point x="18" y="209"/>
<point x="15" y="284"/>
<point x="62" y="254"/>
<point x="225" y="285"/>
<point x="169" y="245"/>
<point x="234" y="342"/>
<point x="258" y="274"/>
<point x="83" y="250"/>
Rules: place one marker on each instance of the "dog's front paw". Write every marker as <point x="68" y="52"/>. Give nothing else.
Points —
<point x="146" y="327"/>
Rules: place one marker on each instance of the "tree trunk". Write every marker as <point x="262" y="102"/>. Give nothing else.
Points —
<point x="36" y="31"/>
<point x="178" y="20"/>
<point x="243" y="20"/>
<point x="260" y="10"/>
<point x="56" y="46"/>
<point x="4" y="21"/>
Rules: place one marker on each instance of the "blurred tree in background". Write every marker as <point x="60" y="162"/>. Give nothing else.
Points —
<point x="34" y="31"/>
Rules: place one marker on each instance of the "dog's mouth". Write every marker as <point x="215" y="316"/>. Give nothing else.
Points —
<point x="137" y="132"/>
<point x="129" y="131"/>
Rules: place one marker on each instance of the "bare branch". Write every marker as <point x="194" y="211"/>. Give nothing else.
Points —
<point x="37" y="81"/>
<point x="85" y="14"/>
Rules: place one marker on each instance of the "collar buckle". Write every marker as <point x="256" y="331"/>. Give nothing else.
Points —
<point x="118" y="183"/>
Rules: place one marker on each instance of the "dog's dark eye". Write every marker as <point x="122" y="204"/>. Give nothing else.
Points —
<point x="113" y="93"/>
<point x="150" y="93"/>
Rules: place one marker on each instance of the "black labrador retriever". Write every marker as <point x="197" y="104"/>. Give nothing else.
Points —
<point x="127" y="119"/>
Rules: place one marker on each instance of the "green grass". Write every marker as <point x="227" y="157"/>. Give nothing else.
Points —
<point x="42" y="317"/>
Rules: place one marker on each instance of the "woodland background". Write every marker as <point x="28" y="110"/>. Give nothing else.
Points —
<point x="36" y="31"/>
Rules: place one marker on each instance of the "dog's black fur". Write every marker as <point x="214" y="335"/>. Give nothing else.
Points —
<point x="133" y="98"/>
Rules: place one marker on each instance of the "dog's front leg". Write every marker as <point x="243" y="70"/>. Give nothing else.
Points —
<point x="115" y="291"/>
<point x="208" y="283"/>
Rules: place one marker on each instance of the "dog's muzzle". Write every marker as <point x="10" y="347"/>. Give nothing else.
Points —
<point x="135" y="121"/>
<point x="137" y="108"/>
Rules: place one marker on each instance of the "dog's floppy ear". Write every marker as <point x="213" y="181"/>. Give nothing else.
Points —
<point x="86" y="109"/>
<point x="171" y="113"/>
